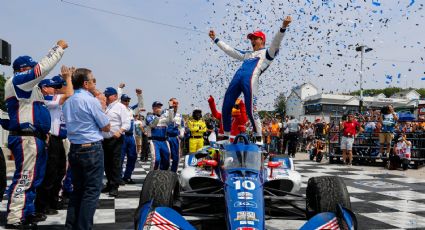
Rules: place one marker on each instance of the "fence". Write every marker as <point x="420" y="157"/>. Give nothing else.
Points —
<point x="366" y="147"/>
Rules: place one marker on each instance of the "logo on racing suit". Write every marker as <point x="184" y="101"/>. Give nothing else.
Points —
<point x="22" y="184"/>
<point x="245" y="195"/>
<point x="248" y="204"/>
<point x="246" y="216"/>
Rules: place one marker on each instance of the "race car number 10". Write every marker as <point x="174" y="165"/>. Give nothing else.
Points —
<point x="248" y="185"/>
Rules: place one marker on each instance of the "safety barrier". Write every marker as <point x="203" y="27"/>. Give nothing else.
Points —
<point x="366" y="147"/>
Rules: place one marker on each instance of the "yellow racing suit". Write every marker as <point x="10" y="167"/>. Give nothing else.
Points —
<point x="197" y="129"/>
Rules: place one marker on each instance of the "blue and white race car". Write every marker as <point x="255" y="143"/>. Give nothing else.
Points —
<point x="234" y="188"/>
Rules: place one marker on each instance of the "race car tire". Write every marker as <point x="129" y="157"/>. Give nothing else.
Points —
<point x="161" y="186"/>
<point x="325" y="193"/>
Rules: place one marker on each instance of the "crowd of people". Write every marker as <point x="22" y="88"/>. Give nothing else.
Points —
<point x="65" y="133"/>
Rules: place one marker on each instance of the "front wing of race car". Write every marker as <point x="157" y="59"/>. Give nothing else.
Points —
<point x="152" y="218"/>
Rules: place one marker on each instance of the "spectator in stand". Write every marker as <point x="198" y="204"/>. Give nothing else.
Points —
<point x="85" y="120"/>
<point x="349" y="128"/>
<point x="388" y="121"/>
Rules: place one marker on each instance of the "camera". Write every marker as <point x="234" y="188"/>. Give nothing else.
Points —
<point x="5" y="53"/>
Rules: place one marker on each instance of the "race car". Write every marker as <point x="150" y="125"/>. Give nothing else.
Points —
<point x="234" y="188"/>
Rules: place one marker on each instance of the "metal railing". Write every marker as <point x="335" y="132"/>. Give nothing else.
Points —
<point x="367" y="147"/>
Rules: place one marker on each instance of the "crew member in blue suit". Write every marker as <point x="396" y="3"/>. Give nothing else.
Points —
<point x="247" y="76"/>
<point x="175" y="132"/>
<point x="129" y="144"/>
<point x="158" y="122"/>
<point x="29" y="124"/>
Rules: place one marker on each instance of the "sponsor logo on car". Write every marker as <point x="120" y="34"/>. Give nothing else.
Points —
<point x="246" y="222"/>
<point x="246" y="228"/>
<point x="244" y="178"/>
<point x="245" y="216"/>
<point x="193" y="161"/>
<point x="248" y="204"/>
<point x="245" y="196"/>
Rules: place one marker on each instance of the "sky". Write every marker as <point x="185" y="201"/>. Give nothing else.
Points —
<point x="179" y="60"/>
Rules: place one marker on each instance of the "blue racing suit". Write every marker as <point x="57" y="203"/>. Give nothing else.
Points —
<point x="246" y="80"/>
<point x="29" y="124"/>
<point x="175" y="132"/>
<point x="129" y="144"/>
<point x="160" y="149"/>
<point x="129" y="149"/>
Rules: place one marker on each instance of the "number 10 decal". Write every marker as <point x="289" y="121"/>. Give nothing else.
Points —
<point x="248" y="185"/>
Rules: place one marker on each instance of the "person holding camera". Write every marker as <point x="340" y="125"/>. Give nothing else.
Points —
<point x="388" y="121"/>
<point x="349" y="130"/>
<point x="402" y="154"/>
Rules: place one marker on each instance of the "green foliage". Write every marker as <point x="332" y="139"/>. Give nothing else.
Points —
<point x="387" y="91"/>
<point x="280" y="104"/>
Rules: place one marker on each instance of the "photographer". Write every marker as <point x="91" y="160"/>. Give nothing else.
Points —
<point x="401" y="156"/>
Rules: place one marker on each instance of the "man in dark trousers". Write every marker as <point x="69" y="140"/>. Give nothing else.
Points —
<point x="113" y="140"/>
<point x="56" y="91"/>
<point x="84" y="120"/>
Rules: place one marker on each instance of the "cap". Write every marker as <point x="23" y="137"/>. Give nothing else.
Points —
<point x="49" y="83"/>
<point x="156" y="104"/>
<point x="58" y="79"/>
<point x="258" y="34"/>
<point x="125" y="97"/>
<point x="23" y="61"/>
<point x="110" y="91"/>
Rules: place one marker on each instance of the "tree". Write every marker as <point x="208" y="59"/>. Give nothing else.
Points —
<point x="280" y="103"/>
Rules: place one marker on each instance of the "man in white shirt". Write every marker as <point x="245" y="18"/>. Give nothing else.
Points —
<point x="113" y="140"/>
